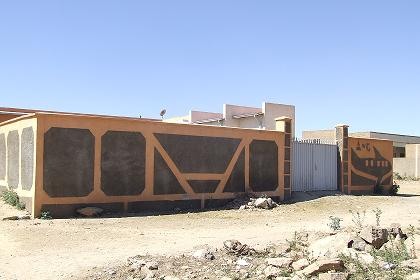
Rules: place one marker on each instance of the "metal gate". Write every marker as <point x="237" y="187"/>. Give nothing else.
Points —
<point x="314" y="166"/>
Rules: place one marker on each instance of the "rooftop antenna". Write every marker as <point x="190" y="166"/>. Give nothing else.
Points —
<point x="162" y="113"/>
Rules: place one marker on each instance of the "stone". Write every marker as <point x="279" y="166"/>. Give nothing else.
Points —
<point x="90" y="211"/>
<point x="11" y="218"/>
<point x="171" y="278"/>
<point x="395" y="230"/>
<point x="261" y="203"/>
<point x="364" y="257"/>
<point x="333" y="276"/>
<point x="387" y="265"/>
<point x="243" y="207"/>
<point x="280" y="262"/>
<point x="359" y="244"/>
<point x="242" y="262"/>
<point x="204" y="254"/>
<point x="412" y="264"/>
<point x="330" y="246"/>
<point x="272" y="271"/>
<point x="323" y="266"/>
<point x="415" y="276"/>
<point x="226" y="278"/>
<point x="300" y="264"/>
<point x="152" y="265"/>
<point x="375" y="236"/>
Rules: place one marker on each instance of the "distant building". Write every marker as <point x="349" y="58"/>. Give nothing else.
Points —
<point x="406" y="148"/>
<point x="240" y="116"/>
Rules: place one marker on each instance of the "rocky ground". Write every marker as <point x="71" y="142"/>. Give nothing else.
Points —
<point x="103" y="247"/>
<point x="370" y="252"/>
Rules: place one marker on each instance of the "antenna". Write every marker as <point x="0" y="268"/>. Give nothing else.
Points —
<point x="162" y="113"/>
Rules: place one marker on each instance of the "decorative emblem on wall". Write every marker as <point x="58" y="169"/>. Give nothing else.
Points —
<point x="368" y="169"/>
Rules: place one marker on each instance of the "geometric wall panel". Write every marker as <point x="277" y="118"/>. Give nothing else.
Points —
<point x="123" y="163"/>
<point x="27" y="158"/>
<point x="263" y="165"/>
<point x="13" y="159"/>
<point x="68" y="162"/>
<point x="199" y="154"/>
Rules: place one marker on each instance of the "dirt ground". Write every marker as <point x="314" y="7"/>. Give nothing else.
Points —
<point x="70" y="248"/>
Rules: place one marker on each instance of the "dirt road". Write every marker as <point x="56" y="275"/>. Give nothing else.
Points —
<point x="68" y="248"/>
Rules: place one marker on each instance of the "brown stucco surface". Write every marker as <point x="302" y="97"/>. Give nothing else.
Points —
<point x="27" y="158"/>
<point x="13" y="159"/>
<point x="185" y="166"/>
<point x="68" y="162"/>
<point x="123" y="162"/>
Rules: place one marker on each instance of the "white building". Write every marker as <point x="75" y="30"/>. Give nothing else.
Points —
<point x="241" y="116"/>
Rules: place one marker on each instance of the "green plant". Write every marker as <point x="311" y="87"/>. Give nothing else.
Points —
<point x="411" y="233"/>
<point x="378" y="188"/>
<point x="334" y="223"/>
<point x="12" y="198"/>
<point x="378" y="213"/>
<point x="394" y="189"/>
<point x="392" y="254"/>
<point x="298" y="245"/>
<point x="358" y="218"/>
<point x="45" y="215"/>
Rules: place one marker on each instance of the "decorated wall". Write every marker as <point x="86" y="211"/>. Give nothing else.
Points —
<point x="370" y="164"/>
<point x="18" y="158"/>
<point x="132" y="165"/>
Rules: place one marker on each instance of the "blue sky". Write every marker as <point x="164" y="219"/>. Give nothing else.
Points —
<point x="354" y="62"/>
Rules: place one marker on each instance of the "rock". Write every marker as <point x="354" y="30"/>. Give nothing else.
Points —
<point x="412" y="264"/>
<point x="300" y="264"/>
<point x="152" y="265"/>
<point x="237" y="248"/>
<point x="415" y="276"/>
<point x="171" y="278"/>
<point x="330" y="246"/>
<point x="375" y="236"/>
<point x="11" y="218"/>
<point x="358" y="244"/>
<point x="90" y="211"/>
<point x="364" y="257"/>
<point x="333" y="276"/>
<point x="272" y="271"/>
<point x="323" y="266"/>
<point x="261" y="203"/>
<point x="243" y="207"/>
<point x="387" y="265"/>
<point x="204" y="254"/>
<point x="395" y="230"/>
<point x="280" y="262"/>
<point x="226" y="278"/>
<point x="242" y="262"/>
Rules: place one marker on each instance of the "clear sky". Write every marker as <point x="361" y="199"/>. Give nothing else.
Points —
<point x="354" y="62"/>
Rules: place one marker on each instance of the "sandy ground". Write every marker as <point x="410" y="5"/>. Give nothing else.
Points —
<point x="69" y="248"/>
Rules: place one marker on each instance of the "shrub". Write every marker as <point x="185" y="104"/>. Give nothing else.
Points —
<point x="12" y="198"/>
<point x="334" y="223"/>
<point x="378" y="189"/>
<point x="394" y="189"/>
<point x="46" y="215"/>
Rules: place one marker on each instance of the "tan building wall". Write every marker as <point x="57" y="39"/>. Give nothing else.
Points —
<point x="18" y="157"/>
<point x="134" y="165"/>
<point x="370" y="163"/>
<point x="242" y="116"/>
<point x="410" y="165"/>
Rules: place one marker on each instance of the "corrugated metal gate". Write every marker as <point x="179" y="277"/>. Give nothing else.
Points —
<point x="314" y="166"/>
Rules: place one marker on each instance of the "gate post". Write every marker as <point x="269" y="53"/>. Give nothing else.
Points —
<point x="284" y="124"/>
<point x="342" y="139"/>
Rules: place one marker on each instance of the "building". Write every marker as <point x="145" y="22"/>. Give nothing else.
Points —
<point x="406" y="148"/>
<point x="241" y="116"/>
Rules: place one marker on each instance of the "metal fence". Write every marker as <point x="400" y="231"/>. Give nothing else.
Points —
<point x="314" y="165"/>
